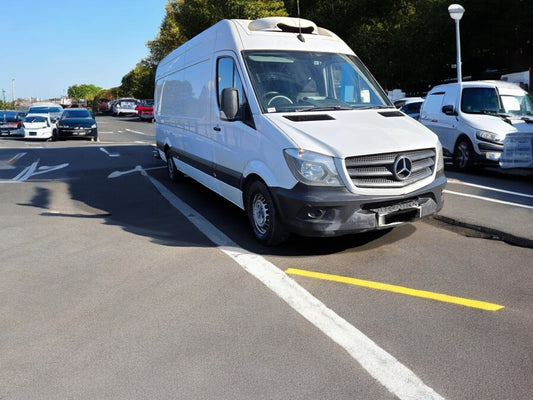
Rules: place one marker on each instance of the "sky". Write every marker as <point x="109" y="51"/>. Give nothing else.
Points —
<point x="49" y="45"/>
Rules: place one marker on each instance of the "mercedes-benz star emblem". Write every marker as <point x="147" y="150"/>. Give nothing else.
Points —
<point x="402" y="168"/>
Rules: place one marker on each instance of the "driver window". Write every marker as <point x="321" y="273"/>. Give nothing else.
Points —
<point x="228" y="77"/>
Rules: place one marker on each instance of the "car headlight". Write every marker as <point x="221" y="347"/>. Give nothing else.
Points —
<point x="93" y="126"/>
<point x="440" y="160"/>
<point x="312" y="168"/>
<point x="490" y="136"/>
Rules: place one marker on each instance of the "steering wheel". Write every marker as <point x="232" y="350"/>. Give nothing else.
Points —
<point x="277" y="99"/>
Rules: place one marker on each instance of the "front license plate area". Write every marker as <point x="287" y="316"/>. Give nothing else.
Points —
<point x="399" y="213"/>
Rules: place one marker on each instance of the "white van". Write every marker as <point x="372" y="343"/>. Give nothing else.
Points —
<point x="473" y="118"/>
<point x="281" y="118"/>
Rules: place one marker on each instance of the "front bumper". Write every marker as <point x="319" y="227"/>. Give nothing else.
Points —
<point x="324" y="212"/>
<point x="64" y="133"/>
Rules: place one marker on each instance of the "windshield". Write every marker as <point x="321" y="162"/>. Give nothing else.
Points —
<point x="490" y="101"/>
<point x="289" y="81"/>
<point x="76" y="114"/>
<point x="35" y="118"/>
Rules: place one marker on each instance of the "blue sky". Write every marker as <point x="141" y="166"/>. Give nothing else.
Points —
<point x="49" y="45"/>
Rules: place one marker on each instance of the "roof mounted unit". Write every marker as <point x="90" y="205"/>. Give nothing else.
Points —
<point x="284" y="24"/>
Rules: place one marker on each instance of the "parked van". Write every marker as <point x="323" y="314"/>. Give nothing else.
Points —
<point x="281" y="118"/>
<point x="472" y="119"/>
<point x="54" y="110"/>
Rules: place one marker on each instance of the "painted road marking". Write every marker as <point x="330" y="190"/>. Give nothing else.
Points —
<point x="103" y="149"/>
<point x="396" y="289"/>
<point x="382" y="366"/>
<point x="451" y="180"/>
<point x="139" y="133"/>
<point x="473" y="196"/>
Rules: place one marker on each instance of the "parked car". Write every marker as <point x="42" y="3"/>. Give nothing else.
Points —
<point x="77" y="123"/>
<point x="145" y="110"/>
<point x="125" y="106"/>
<point x="52" y="109"/>
<point x="410" y="106"/>
<point x="39" y="126"/>
<point x="472" y="119"/>
<point x="11" y="123"/>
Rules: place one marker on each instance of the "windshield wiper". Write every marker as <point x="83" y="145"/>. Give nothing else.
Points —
<point x="325" y="108"/>
<point x="376" y="107"/>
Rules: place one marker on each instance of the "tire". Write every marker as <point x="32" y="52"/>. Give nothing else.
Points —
<point x="263" y="215"/>
<point x="173" y="173"/>
<point x="463" y="155"/>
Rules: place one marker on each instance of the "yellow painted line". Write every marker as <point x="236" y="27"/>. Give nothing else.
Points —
<point x="396" y="289"/>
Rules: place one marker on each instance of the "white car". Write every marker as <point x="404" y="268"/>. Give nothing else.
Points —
<point x="125" y="107"/>
<point x="38" y="126"/>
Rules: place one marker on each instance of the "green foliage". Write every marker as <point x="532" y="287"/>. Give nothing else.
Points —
<point x="84" y="91"/>
<point x="408" y="44"/>
<point x="192" y="22"/>
<point x="139" y="82"/>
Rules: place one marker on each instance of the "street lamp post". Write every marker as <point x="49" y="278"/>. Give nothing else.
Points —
<point x="456" y="12"/>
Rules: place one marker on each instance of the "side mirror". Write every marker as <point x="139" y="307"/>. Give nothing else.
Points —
<point x="229" y="104"/>
<point x="449" y="110"/>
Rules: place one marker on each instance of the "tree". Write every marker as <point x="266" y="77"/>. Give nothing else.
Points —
<point x="139" y="82"/>
<point x="84" y="91"/>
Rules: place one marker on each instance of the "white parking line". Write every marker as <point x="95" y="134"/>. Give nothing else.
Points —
<point x="103" y="149"/>
<point x="140" y="133"/>
<point x="490" y="188"/>
<point x="388" y="371"/>
<point x="473" y="196"/>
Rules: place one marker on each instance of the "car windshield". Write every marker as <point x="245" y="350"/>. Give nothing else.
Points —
<point x="35" y="118"/>
<point x="76" y="114"/>
<point x="291" y="81"/>
<point x="7" y="116"/>
<point x="45" y="110"/>
<point x="490" y="101"/>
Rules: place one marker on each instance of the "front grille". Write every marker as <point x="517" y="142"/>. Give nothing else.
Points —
<point x="378" y="170"/>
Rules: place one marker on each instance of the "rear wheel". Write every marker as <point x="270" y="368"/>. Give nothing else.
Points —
<point x="263" y="216"/>
<point x="463" y="155"/>
<point x="173" y="174"/>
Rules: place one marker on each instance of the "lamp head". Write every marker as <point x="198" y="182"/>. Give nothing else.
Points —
<point x="456" y="11"/>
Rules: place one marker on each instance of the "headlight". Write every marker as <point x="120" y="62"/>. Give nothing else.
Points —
<point x="440" y="160"/>
<point x="312" y="168"/>
<point x="93" y="126"/>
<point x="490" y="136"/>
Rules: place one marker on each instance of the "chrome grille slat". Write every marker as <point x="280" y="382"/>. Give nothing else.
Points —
<point x="376" y="170"/>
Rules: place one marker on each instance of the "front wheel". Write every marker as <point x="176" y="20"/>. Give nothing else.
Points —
<point x="263" y="216"/>
<point x="463" y="155"/>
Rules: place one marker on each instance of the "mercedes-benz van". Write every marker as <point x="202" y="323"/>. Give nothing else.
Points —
<point x="281" y="118"/>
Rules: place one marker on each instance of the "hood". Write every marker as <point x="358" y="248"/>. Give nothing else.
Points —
<point x="347" y="133"/>
<point x="496" y="124"/>
<point x="35" y="125"/>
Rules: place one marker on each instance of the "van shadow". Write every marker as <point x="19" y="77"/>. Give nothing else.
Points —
<point x="133" y="203"/>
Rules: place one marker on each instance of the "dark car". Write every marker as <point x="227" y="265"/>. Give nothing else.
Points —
<point x="77" y="123"/>
<point x="11" y="123"/>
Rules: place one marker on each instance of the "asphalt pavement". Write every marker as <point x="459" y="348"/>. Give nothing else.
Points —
<point x="512" y="224"/>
